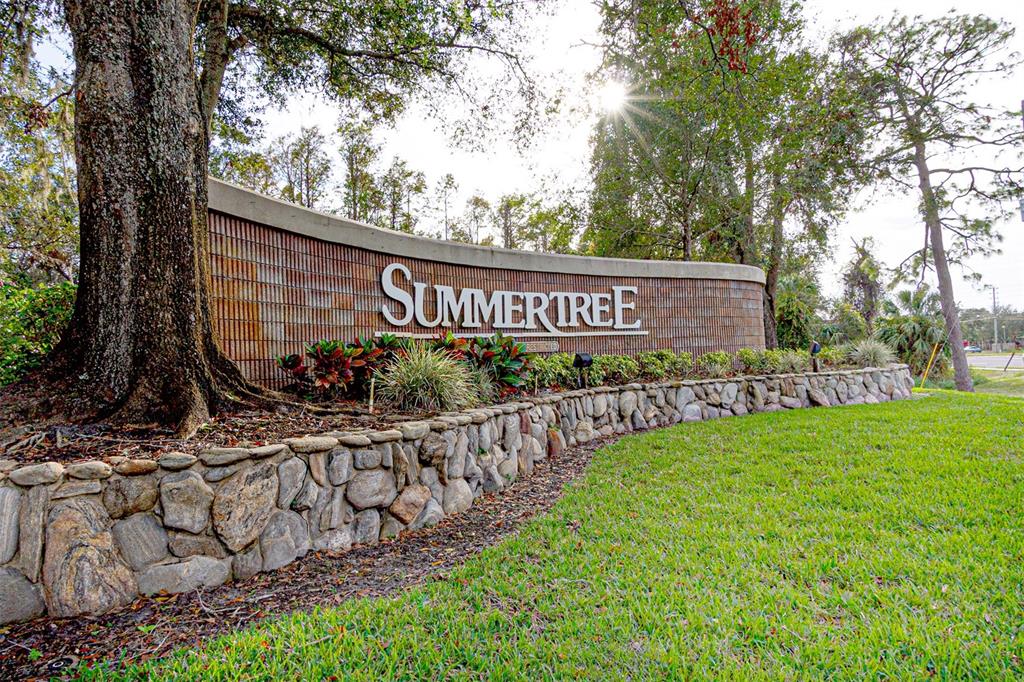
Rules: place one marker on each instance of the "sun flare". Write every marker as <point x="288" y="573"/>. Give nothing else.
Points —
<point x="612" y="97"/>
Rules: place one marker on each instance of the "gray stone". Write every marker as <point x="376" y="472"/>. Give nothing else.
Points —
<point x="307" y="497"/>
<point x="218" y="474"/>
<point x="410" y="503"/>
<point x="431" y="515"/>
<point x="455" y="465"/>
<point x="390" y="527"/>
<point x="339" y="470"/>
<point x="627" y="403"/>
<point x="817" y="397"/>
<point x="428" y="477"/>
<point x="218" y="457"/>
<point x="248" y="563"/>
<point x="789" y="402"/>
<point x="8" y="465"/>
<point x="76" y="488"/>
<point x="124" y="496"/>
<point x="291" y="473"/>
<point x="336" y="540"/>
<point x="10" y="510"/>
<point x="386" y="450"/>
<point x="508" y="466"/>
<point x="186" y="544"/>
<point x="310" y="444"/>
<point x="185" y="499"/>
<point x="89" y="471"/>
<point x="337" y="512"/>
<point x="267" y="450"/>
<point x="366" y="459"/>
<point x="638" y="420"/>
<point x="176" y="461"/>
<point x="354" y="440"/>
<point x="37" y="474"/>
<point x="136" y="467"/>
<point x="414" y="430"/>
<point x="31" y="527"/>
<point x="143" y="541"/>
<point x="457" y="497"/>
<point x="190" y="574"/>
<point x="243" y="505"/>
<point x="19" y="599"/>
<point x="728" y="394"/>
<point x="82" y="571"/>
<point x="283" y="540"/>
<point x="600" y="403"/>
<point x="366" y="527"/>
<point x="493" y="482"/>
<point x="692" y="413"/>
<point x="513" y="437"/>
<point x="372" y="488"/>
<point x="384" y="436"/>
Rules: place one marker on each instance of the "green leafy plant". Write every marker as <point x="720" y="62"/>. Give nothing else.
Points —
<point x="715" y="365"/>
<point x="870" y="353"/>
<point x="31" y="322"/>
<point x="613" y="369"/>
<point x="428" y="379"/>
<point x="504" y="358"/>
<point x="752" y="360"/>
<point x="483" y="385"/>
<point x="833" y="356"/>
<point x="554" y="371"/>
<point x="791" y="361"/>
<point x="660" y="364"/>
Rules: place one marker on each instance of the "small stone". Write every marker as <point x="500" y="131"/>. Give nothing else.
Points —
<point x="457" y="497"/>
<point x="218" y="457"/>
<point x="817" y="397"/>
<point x="283" y="540"/>
<point x="248" y="563"/>
<point x="428" y="477"/>
<point x="692" y="413"/>
<point x="186" y="501"/>
<point x="410" y="503"/>
<point x="414" y="430"/>
<point x="492" y="480"/>
<point x="31" y="529"/>
<point x="390" y="527"/>
<point x="89" y="471"/>
<point x="176" y="461"/>
<point x="184" y="545"/>
<point x="188" y="575"/>
<point x="267" y="450"/>
<point x="37" y="474"/>
<point x="307" y="497"/>
<point x="336" y="540"/>
<point x="336" y="513"/>
<point x="372" y="488"/>
<point x="354" y="440"/>
<point x="124" y="496"/>
<point x="366" y="527"/>
<point x="291" y="473"/>
<point x="339" y="469"/>
<point x="76" y="488"/>
<point x="790" y="402"/>
<point x="143" y="541"/>
<point x="19" y="599"/>
<point x="10" y="509"/>
<point x="311" y="444"/>
<point x="137" y="467"/>
<point x="367" y="459"/>
<point x="431" y="515"/>
<point x="384" y="436"/>
<point x="318" y="467"/>
<point x="217" y="474"/>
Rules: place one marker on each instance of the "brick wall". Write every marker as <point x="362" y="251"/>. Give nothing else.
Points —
<point x="274" y="291"/>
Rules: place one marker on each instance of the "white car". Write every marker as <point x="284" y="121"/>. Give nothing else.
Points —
<point x="972" y="349"/>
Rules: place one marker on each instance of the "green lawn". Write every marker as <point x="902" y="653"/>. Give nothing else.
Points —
<point x="1001" y="383"/>
<point x="869" y="542"/>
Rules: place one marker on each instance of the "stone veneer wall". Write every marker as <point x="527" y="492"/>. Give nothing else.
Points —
<point x="90" y="537"/>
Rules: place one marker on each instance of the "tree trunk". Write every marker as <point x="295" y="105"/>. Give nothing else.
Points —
<point x="961" y="371"/>
<point x="140" y="342"/>
<point x="771" y="275"/>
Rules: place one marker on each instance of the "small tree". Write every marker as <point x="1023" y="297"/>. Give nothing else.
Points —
<point x="863" y="284"/>
<point x="936" y="141"/>
<point x="303" y="167"/>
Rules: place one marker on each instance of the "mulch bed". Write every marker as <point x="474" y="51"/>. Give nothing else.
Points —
<point x="152" y="628"/>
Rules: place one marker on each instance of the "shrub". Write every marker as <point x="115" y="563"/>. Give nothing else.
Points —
<point x="554" y="370"/>
<point x="870" y="353"/>
<point x="330" y="368"/>
<point x="31" y="322"/>
<point x="483" y="385"/>
<point x="504" y="358"/>
<point x="833" y="356"/>
<point x="752" y="360"/>
<point x="789" y="361"/>
<point x="427" y="379"/>
<point x="716" y="364"/>
<point x="660" y="364"/>
<point x="613" y="369"/>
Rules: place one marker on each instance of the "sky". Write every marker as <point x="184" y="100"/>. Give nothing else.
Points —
<point x="562" y="50"/>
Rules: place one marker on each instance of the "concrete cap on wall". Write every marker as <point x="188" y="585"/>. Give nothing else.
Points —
<point x="242" y="203"/>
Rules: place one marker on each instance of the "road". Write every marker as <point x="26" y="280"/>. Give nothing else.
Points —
<point x="995" y="361"/>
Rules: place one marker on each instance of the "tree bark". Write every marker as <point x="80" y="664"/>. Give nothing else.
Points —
<point x="771" y="275"/>
<point x="140" y="343"/>
<point x="961" y="371"/>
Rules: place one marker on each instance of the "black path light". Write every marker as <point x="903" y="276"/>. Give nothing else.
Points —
<point x="815" y="349"/>
<point x="581" y="362"/>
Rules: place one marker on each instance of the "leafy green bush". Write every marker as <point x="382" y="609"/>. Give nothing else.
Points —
<point x="31" y="322"/>
<point x="504" y="358"/>
<point x="716" y="364"/>
<point x="870" y="353"/>
<point x="790" y="361"/>
<point x="427" y="379"/>
<point x="660" y="364"/>
<point x="554" y="371"/>
<point x="833" y="356"/>
<point x="752" y="360"/>
<point x="613" y="369"/>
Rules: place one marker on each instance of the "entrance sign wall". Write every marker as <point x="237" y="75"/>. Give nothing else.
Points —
<point x="283" y="276"/>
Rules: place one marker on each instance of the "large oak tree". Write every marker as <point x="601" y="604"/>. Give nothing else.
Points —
<point x="150" y="77"/>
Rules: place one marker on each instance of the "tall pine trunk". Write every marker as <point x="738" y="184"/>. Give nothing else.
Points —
<point x="140" y="343"/>
<point x="961" y="371"/>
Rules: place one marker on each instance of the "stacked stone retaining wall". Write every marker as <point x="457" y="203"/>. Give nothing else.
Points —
<point x="90" y="537"/>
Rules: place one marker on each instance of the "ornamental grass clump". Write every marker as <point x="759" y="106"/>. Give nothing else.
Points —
<point x="423" y="379"/>
<point x="870" y="353"/>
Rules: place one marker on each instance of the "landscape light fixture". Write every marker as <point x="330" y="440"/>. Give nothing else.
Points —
<point x="581" y="362"/>
<point x="815" y="349"/>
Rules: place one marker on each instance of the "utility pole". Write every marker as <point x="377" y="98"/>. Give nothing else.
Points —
<point x="995" y="320"/>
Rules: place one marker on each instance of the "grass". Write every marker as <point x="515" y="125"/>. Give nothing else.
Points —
<point x="880" y="542"/>
<point x="987" y="381"/>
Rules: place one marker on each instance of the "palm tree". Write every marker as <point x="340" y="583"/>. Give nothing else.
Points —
<point x="911" y="324"/>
